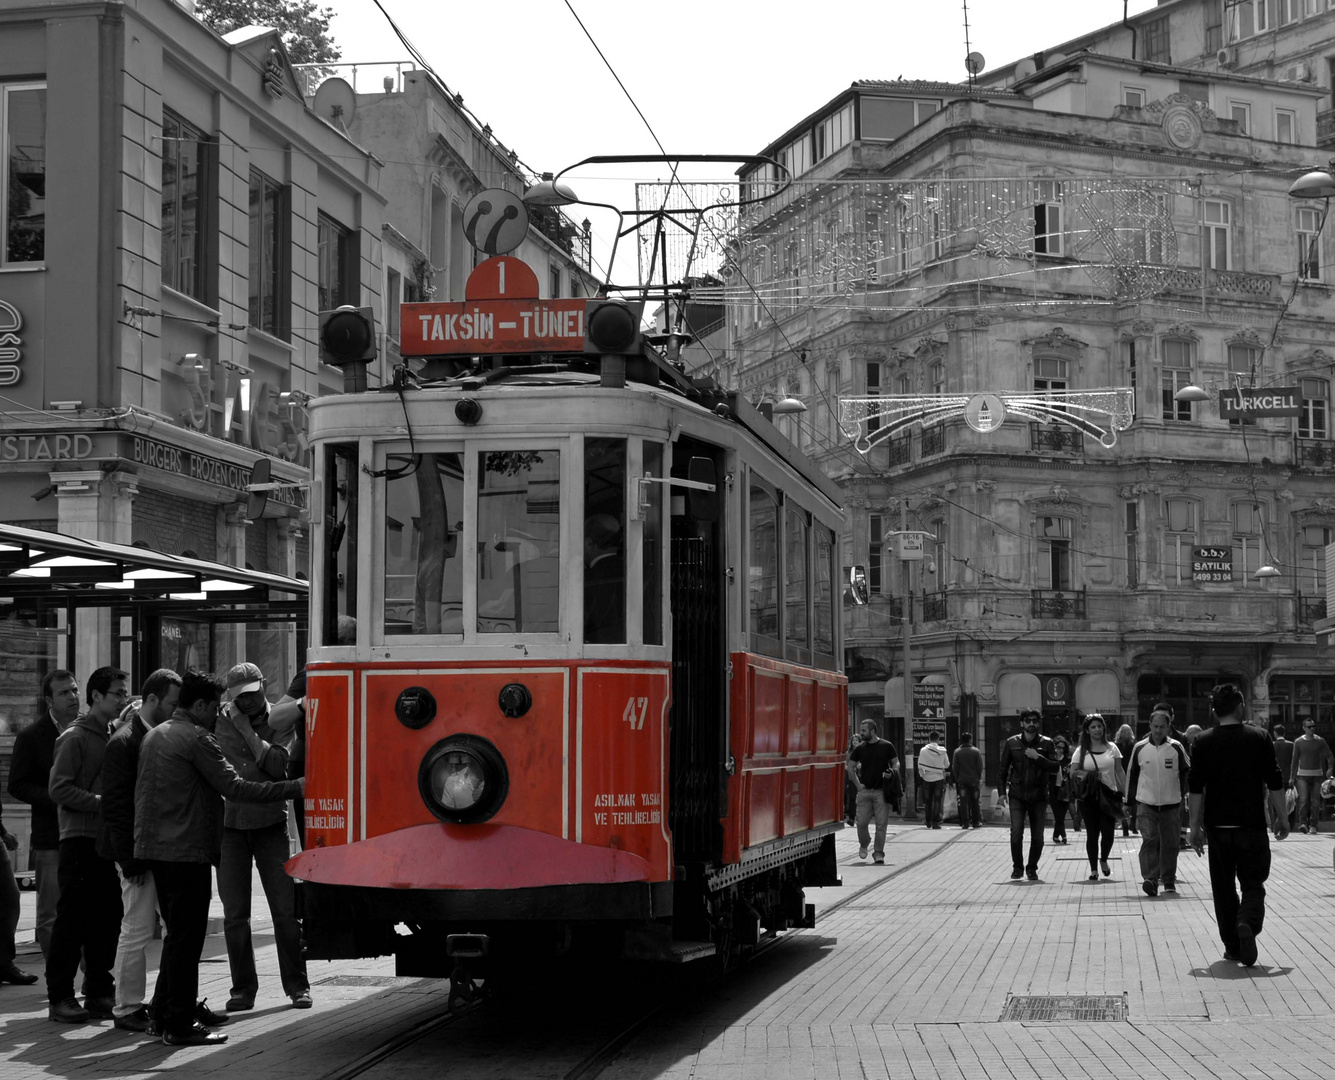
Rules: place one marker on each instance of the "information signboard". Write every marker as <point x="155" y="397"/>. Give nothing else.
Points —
<point x="1211" y="564"/>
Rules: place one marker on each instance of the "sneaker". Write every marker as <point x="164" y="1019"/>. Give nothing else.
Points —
<point x="1017" y="872"/>
<point x="208" y="1017"/>
<point x="862" y="853"/>
<point x="1170" y="886"/>
<point x="1302" y="828"/>
<point x="194" y="1035"/>
<point x="238" y="1003"/>
<point x="16" y="976"/>
<point x="1246" y="944"/>
<point x="1032" y="875"/>
<point x="1151" y="888"/>
<point x="100" y="1008"/>
<point x="302" y="998"/>
<point x="879" y="860"/>
<point x="136" y="1021"/>
<point x="67" y="1011"/>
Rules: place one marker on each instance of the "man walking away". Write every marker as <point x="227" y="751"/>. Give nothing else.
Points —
<point x="1231" y="767"/>
<point x="88" y="915"/>
<point x="1284" y="756"/>
<point x="29" y="775"/>
<point x="9" y="911"/>
<point x="1028" y="762"/>
<point x="868" y="762"/>
<point x="967" y="768"/>
<point x="1311" y="764"/>
<point x="1156" y="788"/>
<point x="933" y="761"/>
<point x="178" y="812"/>
<point x="256" y="834"/>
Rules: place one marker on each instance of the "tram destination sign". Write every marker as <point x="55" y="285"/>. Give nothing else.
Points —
<point x="473" y="327"/>
<point x="1251" y="402"/>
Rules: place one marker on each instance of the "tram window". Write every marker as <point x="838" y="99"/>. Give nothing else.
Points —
<point x="424" y="580"/>
<point x="653" y="547"/>
<point x="604" y="541"/>
<point x="797" y="642"/>
<point x="519" y="542"/>
<point x="823" y="607"/>
<point x="340" y="537"/>
<point x="763" y="569"/>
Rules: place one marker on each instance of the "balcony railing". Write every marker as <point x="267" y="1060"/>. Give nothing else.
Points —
<point x="934" y="607"/>
<point x="1310" y="609"/>
<point x="1055" y="437"/>
<point x="934" y="440"/>
<point x="1049" y="604"/>
<point x="1316" y="453"/>
<point x="1232" y="282"/>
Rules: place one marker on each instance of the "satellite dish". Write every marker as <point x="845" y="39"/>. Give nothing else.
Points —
<point x="1025" y="68"/>
<point x="336" y="101"/>
<point x="1054" y="59"/>
<point x="974" y="62"/>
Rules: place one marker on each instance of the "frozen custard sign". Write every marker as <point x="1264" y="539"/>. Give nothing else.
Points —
<point x="11" y="322"/>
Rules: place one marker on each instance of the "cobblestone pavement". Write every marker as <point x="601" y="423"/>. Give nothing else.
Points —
<point x="906" y="976"/>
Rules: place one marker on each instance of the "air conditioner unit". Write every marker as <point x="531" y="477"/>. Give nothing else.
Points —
<point x="1303" y="72"/>
<point x="1227" y="58"/>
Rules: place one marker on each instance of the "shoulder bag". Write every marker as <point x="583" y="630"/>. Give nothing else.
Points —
<point x="1084" y="784"/>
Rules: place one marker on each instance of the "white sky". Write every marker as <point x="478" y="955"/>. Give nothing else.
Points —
<point x="711" y="76"/>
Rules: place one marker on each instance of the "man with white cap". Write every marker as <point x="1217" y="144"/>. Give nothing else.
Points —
<point x="256" y="833"/>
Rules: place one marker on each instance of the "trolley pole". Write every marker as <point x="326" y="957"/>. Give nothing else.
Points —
<point x="906" y="623"/>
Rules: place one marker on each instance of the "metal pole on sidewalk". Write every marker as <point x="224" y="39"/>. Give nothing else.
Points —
<point x="906" y="624"/>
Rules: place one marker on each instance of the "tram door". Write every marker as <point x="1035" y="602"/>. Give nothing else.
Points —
<point x="699" y="661"/>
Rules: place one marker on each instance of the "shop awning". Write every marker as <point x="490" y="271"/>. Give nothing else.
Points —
<point x="53" y="570"/>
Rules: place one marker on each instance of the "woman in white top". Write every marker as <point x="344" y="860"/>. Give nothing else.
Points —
<point x="1096" y="754"/>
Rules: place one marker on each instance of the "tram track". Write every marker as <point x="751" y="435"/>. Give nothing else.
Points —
<point x="595" y="1062"/>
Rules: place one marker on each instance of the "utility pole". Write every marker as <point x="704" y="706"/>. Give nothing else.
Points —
<point x="906" y="624"/>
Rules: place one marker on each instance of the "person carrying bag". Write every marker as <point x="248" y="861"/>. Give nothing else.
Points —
<point x="1098" y="781"/>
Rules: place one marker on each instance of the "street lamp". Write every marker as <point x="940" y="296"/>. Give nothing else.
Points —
<point x="1317" y="184"/>
<point x="1266" y="572"/>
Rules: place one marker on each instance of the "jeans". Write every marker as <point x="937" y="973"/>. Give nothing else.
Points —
<point x="871" y="803"/>
<point x="1243" y="854"/>
<point x="1100" y="829"/>
<point x="933" y="799"/>
<point x="267" y="848"/>
<point x="1033" y="811"/>
<point x="88" y="919"/>
<point x="184" y="891"/>
<point x="46" y="865"/>
<point x="1160" y="828"/>
<point x="970" y="812"/>
<point x="140" y="904"/>
<point x="1309" y="800"/>
<point x="1059" y="819"/>
<point x="9" y="907"/>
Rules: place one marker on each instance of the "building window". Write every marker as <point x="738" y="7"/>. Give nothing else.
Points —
<point x="1241" y="114"/>
<point x="1293" y="700"/>
<point x="1312" y="421"/>
<point x="1243" y="362"/>
<point x="875" y="538"/>
<point x="1312" y="559"/>
<point x="393" y="297"/>
<point x="1218" y="225"/>
<point x="553" y="281"/>
<point x="1178" y="362"/>
<point x="186" y="193"/>
<point x="938" y="377"/>
<point x="1129" y="365"/>
<point x="337" y="263"/>
<point x="1133" y="97"/>
<point x="834" y="132"/>
<point x="23" y="179"/>
<point x="922" y="110"/>
<point x="1050" y="374"/>
<point x="1054" y="553"/>
<point x="1157" y="42"/>
<point x="873" y="390"/>
<point x="1286" y="126"/>
<point x="1048" y="218"/>
<point x="1248" y="536"/>
<point x="1132" y="545"/>
<point x="902" y="236"/>
<point x="1179" y="539"/>
<point x="1309" y="250"/>
<point x="1246" y="18"/>
<point x="1290" y="11"/>
<point x="269" y="251"/>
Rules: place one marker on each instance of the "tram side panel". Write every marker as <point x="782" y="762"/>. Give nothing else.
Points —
<point x="329" y="807"/>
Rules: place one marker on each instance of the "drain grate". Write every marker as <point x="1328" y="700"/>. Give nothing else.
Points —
<point x="1106" y="1007"/>
<point x="362" y="980"/>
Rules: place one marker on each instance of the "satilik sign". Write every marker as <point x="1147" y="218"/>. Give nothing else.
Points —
<point x="1211" y="564"/>
<point x="1253" y="402"/>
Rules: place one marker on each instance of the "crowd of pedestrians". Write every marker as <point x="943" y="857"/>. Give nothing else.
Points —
<point x="132" y="811"/>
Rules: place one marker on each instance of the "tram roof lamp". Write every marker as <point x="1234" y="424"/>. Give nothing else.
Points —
<point x="550" y="192"/>
<point x="1192" y="393"/>
<point x="1317" y="184"/>
<point x="1265" y="572"/>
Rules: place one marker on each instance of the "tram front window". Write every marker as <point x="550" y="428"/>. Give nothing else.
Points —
<point x="423" y="562"/>
<point x="605" y="541"/>
<point x="519" y="542"/>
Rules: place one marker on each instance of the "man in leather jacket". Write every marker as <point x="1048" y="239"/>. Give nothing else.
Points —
<point x="1028" y="762"/>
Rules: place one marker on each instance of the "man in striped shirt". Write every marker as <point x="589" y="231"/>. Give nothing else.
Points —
<point x="1156" y="786"/>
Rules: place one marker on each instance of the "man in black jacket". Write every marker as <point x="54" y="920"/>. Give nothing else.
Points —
<point x="1028" y="762"/>
<point x="29" y="774"/>
<point x="9" y="912"/>
<point x="139" y="898"/>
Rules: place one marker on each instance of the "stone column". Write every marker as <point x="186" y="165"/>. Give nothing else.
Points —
<point x="229" y="639"/>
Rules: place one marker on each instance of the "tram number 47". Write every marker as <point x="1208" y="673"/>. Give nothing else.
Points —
<point x="634" y="713"/>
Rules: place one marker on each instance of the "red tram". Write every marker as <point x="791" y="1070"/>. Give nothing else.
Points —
<point x="595" y="691"/>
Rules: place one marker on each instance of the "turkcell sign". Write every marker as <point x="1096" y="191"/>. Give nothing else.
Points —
<point x="491" y="326"/>
<point x="1271" y="401"/>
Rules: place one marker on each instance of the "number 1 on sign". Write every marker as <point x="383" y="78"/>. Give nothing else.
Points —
<point x="634" y="713"/>
<point x="500" y="287"/>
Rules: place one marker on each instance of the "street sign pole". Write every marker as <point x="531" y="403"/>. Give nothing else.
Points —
<point x="910" y="807"/>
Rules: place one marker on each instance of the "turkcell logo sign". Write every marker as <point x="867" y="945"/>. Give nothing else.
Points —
<point x="1211" y="564"/>
<point x="1250" y="402"/>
